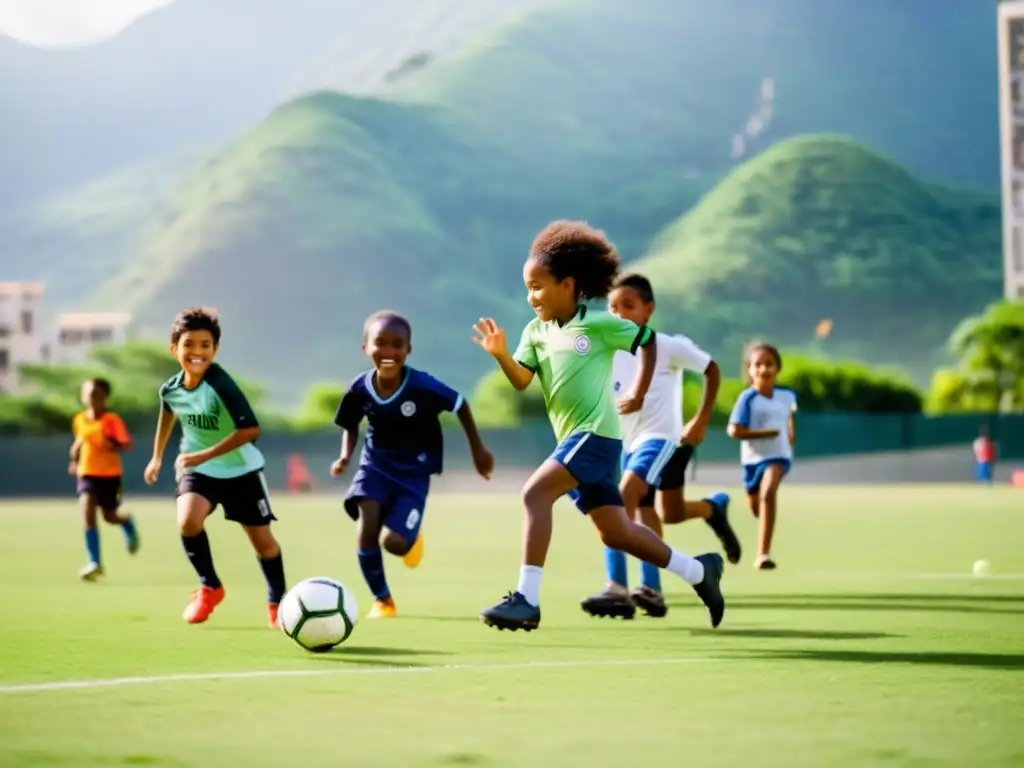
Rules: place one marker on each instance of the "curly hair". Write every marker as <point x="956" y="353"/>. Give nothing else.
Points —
<point x="196" y="319"/>
<point x="386" y="317"/>
<point x="577" y="250"/>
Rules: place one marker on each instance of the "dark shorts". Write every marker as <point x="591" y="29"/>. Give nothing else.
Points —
<point x="401" y="503"/>
<point x="983" y="471"/>
<point x="753" y="473"/>
<point x="594" y="462"/>
<point x="662" y="465"/>
<point x="244" y="498"/>
<point x="106" y="491"/>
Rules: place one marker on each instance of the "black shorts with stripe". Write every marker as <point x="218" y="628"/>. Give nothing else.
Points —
<point x="245" y="498"/>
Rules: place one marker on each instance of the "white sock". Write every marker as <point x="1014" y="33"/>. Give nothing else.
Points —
<point x="529" y="583"/>
<point x="689" y="570"/>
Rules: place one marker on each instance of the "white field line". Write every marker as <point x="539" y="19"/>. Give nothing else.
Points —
<point x="277" y="673"/>
<point x="971" y="576"/>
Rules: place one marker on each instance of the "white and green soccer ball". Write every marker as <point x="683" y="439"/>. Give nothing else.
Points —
<point x="318" y="613"/>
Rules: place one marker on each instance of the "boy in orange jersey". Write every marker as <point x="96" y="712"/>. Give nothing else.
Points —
<point x="100" y="436"/>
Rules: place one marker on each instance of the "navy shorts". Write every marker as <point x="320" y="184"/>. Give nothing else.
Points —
<point x="594" y="462"/>
<point x="661" y="464"/>
<point x="752" y="473"/>
<point x="106" y="491"/>
<point x="401" y="503"/>
<point x="244" y="498"/>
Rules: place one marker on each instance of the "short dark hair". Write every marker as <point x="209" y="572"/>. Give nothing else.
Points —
<point x="638" y="283"/>
<point x="196" y="319"/>
<point x="386" y="317"/>
<point x="761" y="346"/>
<point x="577" y="250"/>
<point x="101" y="384"/>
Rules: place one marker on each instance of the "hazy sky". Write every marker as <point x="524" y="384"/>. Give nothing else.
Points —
<point x="70" y="22"/>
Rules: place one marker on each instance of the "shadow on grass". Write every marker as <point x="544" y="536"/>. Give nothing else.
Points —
<point x="791" y="634"/>
<point x="937" y="603"/>
<point x="1001" y="661"/>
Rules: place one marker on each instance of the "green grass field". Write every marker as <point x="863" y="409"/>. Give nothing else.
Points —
<point x="871" y="645"/>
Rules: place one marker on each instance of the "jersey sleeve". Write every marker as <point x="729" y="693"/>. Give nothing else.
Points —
<point x="526" y="352"/>
<point x="441" y="397"/>
<point x="115" y="429"/>
<point x="621" y="334"/>
<point x="76" y="425"/>
<point x="683" y="353"/>
<point x="234" y="401"/>
<point x="350" y="408"/>
<point x="164" y="388"/>
<point x="741" y="411"/>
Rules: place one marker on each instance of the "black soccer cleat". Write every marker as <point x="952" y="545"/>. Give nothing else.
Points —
<point x="709" y="590"/>
<point x="512" y="613"/>
<point x="609" y="602"/>
<point x="650" y="601"/>
<point x="719" y="523"/>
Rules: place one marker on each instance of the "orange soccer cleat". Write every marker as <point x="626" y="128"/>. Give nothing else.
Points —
<point x="202" y="603"/>
<point x="272" y="614"/>
<point x="383" y="609"/>
<point x="413" y="557"/>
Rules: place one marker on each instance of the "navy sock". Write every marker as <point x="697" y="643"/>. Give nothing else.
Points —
<point x="650" y="576"/>
<point x="273" y="572"/>
<point x="615" y="564"/>
<point x="372" y="563"/>
<point x="92" y="544"/>
<point x="198" y="550"/>
<point x="128" y="527"/>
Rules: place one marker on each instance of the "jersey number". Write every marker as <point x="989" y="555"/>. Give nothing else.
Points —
<point x="412" y="519"/>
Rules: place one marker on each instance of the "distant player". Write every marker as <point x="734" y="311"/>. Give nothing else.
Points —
<point x="100" y="437"/>
<point x="402" y="449"/>
<point x="657" y="448"/>
<point x="570" y="349"/>
<point x="984" y="456"/>
<point x="218" y="463"/>
<point x="762" y="420"/>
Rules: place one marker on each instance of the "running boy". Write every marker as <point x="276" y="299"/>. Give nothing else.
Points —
<point x="100" y="437"/>
<point x="657" y="448"/>
<point x="403" y="448"/>
<point x="763" y="420"/>
<point x="217" y="464"/>
<point x="570" y="350"/>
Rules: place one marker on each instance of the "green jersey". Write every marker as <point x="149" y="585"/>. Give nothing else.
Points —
<point x="208" y="414"/>
<point x="574" y="365"/>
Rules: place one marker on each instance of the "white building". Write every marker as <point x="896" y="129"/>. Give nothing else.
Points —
<point x="30" y="336"/>
<point x="76" y="332"/>
<point x="23" y="331"/>
<point x="1010" y="34"/>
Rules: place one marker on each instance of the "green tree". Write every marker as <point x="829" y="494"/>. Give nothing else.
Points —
<point x="990" y="352"/>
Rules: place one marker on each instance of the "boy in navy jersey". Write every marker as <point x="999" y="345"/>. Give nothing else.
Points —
<point x="402" y="449"/>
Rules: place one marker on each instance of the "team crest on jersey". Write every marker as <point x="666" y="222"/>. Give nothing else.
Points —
<point x="408" y="408"/>
<point x="581" y="344"/>
<point x="617" y="386"/>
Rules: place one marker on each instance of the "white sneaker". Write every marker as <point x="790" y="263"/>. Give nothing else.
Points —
<point x="91" y="572"/>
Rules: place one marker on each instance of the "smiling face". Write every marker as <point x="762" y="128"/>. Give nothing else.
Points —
<point x="762" y="367"/>
<point x="626" y="303"/>
<point x="194" y="351"/>
<point x="387" y="345"/>
<point x="551" y="299"/>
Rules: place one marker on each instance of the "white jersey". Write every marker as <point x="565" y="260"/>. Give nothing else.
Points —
<point x="662" y="414"/>
<point x="755" y="411"/>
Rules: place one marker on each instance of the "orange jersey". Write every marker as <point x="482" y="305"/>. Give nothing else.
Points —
<point x="98" y="456"/>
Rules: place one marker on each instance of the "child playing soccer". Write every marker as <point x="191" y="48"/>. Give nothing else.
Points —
<point x="402" y="449"/>
<point x="762" y="420"/>
<point x="570" y="350"/>
<point x="100" y="437"/>
<point x="654" y="461"/>
<point x="217" y="463"/>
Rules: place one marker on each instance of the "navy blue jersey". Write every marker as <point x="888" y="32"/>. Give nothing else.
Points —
<point x="404" y="433"/>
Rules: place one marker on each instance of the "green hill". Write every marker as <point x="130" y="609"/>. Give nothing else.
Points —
<point x="823" y="227"/>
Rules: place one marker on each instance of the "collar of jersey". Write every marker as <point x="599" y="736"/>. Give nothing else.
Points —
<point x="368" y="382"/>
<point x="581" y="312"/>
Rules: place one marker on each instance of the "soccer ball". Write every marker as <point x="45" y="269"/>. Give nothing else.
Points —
<point x="318" y="614"/>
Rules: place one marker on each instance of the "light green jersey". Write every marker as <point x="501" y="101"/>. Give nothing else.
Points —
<point x="574" y="365"/>
<point x="208" y="414"/>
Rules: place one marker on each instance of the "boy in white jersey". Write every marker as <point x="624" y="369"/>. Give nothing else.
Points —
<point x="569" y="349"/>
<point x="656" y="449"/>
<point x="762" y="420"/>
